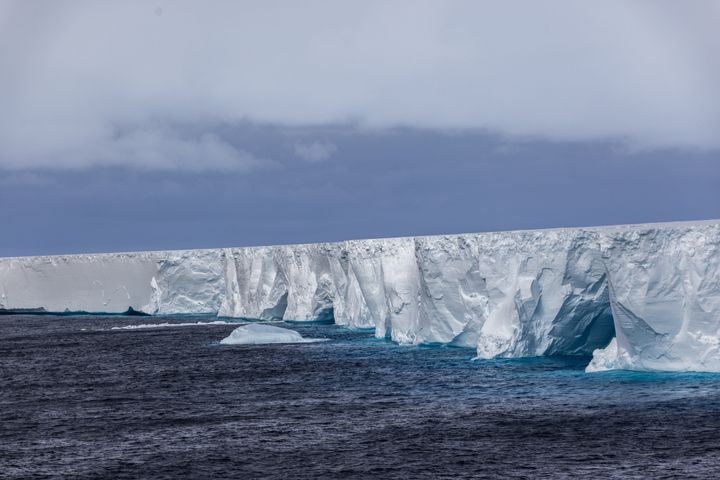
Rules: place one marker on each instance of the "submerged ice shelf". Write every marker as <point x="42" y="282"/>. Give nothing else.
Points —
<point x="653" y="289"/>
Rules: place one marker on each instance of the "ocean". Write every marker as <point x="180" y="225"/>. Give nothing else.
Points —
<point x="93" y="397"/>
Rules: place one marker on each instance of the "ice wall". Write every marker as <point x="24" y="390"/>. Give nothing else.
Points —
<point x="655" y="288"/>
<point x="664" y="290"/>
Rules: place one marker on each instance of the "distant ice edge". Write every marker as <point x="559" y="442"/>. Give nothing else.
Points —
<point x="653" y="288"/>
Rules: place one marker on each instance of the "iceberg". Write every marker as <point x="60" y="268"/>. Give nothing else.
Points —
<point x="258" y="334"/>
<point x="653" y="288"/>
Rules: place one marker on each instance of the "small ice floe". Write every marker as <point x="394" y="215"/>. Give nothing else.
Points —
<point x="171" y="325"/>
<point x="258" y="334"/>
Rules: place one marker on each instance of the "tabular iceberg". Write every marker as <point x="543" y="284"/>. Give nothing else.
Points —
<point x="653" y="289"/>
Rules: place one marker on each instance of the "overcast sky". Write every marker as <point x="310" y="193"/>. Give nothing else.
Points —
<point x="172" y="124"/>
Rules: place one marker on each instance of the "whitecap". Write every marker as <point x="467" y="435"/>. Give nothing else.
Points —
<point x="171" y="325"/>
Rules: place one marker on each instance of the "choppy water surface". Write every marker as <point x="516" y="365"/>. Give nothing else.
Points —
<point x="80" y="399"/>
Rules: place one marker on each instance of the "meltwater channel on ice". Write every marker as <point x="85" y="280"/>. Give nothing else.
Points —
<point x="640" y="297"/>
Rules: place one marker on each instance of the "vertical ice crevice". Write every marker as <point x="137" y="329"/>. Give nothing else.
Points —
<point x="452" y="292"/>
<point x="633" y="338"/>
<point x="499" y="333"/>
<point x="3" y="297"/>
<point x="231" y="303"/>
<point x="349" y="305"/>
<point x="400" y="276"/>
<point x="153" y="305"/>
<point x="324" y="299"/>
<point x="368" y="271"/>
<point x="276" y="312"/>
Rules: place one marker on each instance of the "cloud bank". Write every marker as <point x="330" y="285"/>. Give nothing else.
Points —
<point x="88" y="83"/>
<point x="315" y="151"/>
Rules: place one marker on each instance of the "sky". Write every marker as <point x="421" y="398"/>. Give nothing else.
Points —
<point x="174" y="124"/>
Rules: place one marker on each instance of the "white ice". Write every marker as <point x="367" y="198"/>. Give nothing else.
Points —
<point x="654" y="287"/>
<point x="259" y="334"/>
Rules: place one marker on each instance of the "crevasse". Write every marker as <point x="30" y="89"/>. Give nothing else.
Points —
<point x="653" y="289"/>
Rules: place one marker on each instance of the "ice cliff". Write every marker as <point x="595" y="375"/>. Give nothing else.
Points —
<point x="638" y="296"/>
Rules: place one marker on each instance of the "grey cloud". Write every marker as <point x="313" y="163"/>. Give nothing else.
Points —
<point x="162" y="150"/>
<point x="315" y="151"/>
<point x="144" y="147"/>
<point x="644" y="72"/>
<point x="389" y="183"/>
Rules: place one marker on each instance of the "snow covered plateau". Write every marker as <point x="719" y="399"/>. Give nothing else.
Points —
<point x="642" y="297"/>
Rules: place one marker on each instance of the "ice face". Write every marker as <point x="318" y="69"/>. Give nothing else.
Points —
<point x="258" y="334"/>
<point x="664" y="289"/>
<point x="655" y="288"/>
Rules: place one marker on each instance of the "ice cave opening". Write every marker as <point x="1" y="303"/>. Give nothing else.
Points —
<point x="278" y="311"/>
<point x="325" y="315"/>
<point x="590" y="328"/>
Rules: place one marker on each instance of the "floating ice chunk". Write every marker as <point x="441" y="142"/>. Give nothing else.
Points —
<point x="604" y="359"/>
<point x="685" y="352"/>
<point x="170" y="325"/>
<point x="258" y="334"/>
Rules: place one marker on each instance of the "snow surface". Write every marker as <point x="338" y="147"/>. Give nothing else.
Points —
<point x="258" y="334"/>
<point x="653" y="287"/>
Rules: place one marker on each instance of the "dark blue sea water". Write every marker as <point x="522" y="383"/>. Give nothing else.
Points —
<point x="79" y="400"/>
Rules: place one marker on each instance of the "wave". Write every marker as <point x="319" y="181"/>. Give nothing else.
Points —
<point x="171" y="325"/>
